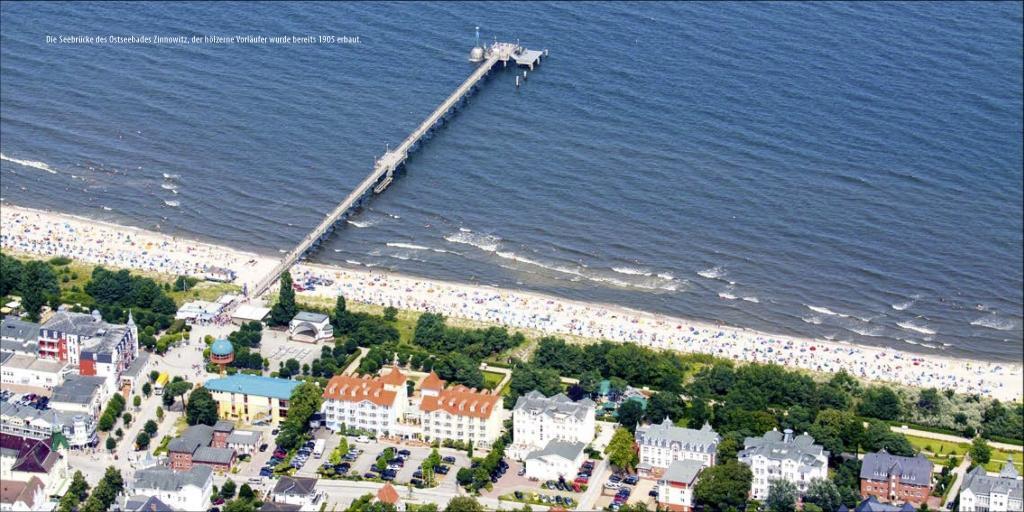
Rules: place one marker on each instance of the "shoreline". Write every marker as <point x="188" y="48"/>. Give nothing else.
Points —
<point x="106" y="243"/>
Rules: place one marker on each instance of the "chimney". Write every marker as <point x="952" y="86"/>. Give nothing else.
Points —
<point x="787" y="435"/>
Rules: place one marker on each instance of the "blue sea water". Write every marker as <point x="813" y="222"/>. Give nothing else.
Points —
<point x="850" y="171"/>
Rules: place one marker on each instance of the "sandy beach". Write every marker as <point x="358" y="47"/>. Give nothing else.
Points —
<point x="53" y="234"/>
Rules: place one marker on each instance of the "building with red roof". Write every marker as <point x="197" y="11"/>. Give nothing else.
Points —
<point x="376" y="404"/>
<point x="459" y="413"/>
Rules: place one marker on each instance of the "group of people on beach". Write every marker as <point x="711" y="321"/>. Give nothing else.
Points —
<point x="556" y="316"/>
<point x="49" y="234"/>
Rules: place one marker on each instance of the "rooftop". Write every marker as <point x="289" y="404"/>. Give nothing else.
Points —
<point x="213" y="455"/>
<point x="462" y="401"/>
<point x="191" y="439"/>
<point x="16" y="329"/>
<point x="295" y="486"/>
<point x="222" y="347"/>
<point x="348" y="388"/>
<point x="27" y="362"/>
<point x="388" y="494"/>
<point x="165" y="479"/>
<point x="683" y="471"/>
<point x="978" y="481"/>
<point x="253" y="385"/>
<point x="558" y="405"/>
<point x="138" y="365"/>
<point x="306" y="316"/>
<point x="773" y="445"/>
<point x="911" y="470"/>
<point x="250" y="312"/>
<point x="565" y="449"/>
<point x="77" y="389"/>
<point x="666" y="434"/>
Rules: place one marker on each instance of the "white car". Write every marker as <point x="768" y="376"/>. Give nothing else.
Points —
<point x="612" y="485"/>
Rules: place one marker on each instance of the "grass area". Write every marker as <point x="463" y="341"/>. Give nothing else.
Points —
<point x="78" y="274"/>
<point x="999" y="457"/>
<point x="180" y="425"/>
<point x="938" y="451"/>
<point x="491" y="379"/>
<point x="163" y="446"/>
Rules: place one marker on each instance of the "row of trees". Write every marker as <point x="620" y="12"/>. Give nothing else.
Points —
<point x="304" y="401"/>
<point x="35" y="281"/>
<point x="111" y="413"/>
<point x="639" y="366"/>
<point x="432" y="334"/>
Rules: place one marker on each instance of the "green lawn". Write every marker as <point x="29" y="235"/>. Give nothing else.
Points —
<point x="491" y="379"/>
<point x="939" y="451"/>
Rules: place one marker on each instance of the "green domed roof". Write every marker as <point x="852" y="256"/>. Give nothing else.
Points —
<point x="222" y="347"/>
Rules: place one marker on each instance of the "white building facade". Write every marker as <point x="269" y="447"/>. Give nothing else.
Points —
<point x="675" y="486"/>
<point x="557" y="459"/>
<point x="662" y="444"/>
<point x="459" y="413"/>
<point x="537" y="420"/>
<point x="983" y="493"/>
<point x="780" y="456"/>
<point x="181" y="490"/>
<point x="374" y="404"/>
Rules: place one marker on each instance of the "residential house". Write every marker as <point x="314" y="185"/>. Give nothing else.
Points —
<point x="244" y="442"/>
<point x="29" y="373"/>
<point x="895" y="479"/>
<point x="662" y="444"/>
<point x="78" y="429"/>
<point x="388" y="495"/>
<point x="459" y="413"/>
<point x="298" y="491"/>
<point x="375" y="404"/>
<point x="22" y="459"/>
<point x="780" y="456"/>
<point x="202" y="444"/>
<point x="187" y="490"/>
<point x="1001" y="493"/>
<point x="557" y="459"/>
<point x="675" y="485"/>
<point x="28" y="496"/>
<point x="95" y="347"/>
<point x="145" y="504"/>
<point x="80" y="394"/>
<point x="252" y="399"/>
<point x="19" y="336"/>
<point x="537" y="419"/>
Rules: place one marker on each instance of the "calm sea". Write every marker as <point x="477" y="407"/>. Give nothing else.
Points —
<point x="832" y="170"/>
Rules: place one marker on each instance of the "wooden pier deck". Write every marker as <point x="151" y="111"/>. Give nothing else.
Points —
<point x="385" y="166"/>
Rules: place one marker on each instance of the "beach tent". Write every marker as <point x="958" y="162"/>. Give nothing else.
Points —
<point x="249" y="313"/>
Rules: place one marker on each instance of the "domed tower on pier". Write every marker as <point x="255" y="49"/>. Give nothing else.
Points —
<point x="477" y="53"/>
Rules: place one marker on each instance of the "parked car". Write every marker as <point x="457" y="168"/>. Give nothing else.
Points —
<point x="612" y="485"/>
<point x="631" y="480"/>
<point x="416" y="482"/>
<point x="653" y="493"/>
<point x="263" y="447"/>
<point x="404" y="453"/>
<point x="522" y="471"/>
<point x="519" y="495"/>
<point x="449" y="459"/>
<point x="369" y="475"/>
<point x="441" y="469"/>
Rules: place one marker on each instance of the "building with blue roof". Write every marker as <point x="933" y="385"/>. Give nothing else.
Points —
<point x="252" y="399"/>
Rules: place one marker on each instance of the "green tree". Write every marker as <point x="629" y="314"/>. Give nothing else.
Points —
<point x="879" y="436"/>
<point x="980" y="452"/>
<point x="240" y="506"/>
<point x="38" y="284"/>
<point x="881" y="402"/>
<point x="723" y="487"/>
<point x="127" y="418"/>
<point x="10" y="275"/>
<point x="630" y="413"/>
<point x="245" y="493"/>
<point x="137" y="401"/>
<point x="142" y="441"/>
<point x="464" y="504"/>
<point x="305" y="400"/>
<point x="285" y="309"/>
<point x="824" y="494"/>
<point x="106" y="422"/>
<point x="201" y="409"/>
<point x="159" y="413"/>
<point x="620" y="450"/>
<point x="432" y="461"/>
<point x="106" y="492"/>
<point x="666" y="405"/>
<point x="150" y="427"/>
<point x="929" y="401"/>
<point x="390" y="314"/>
<point x="227" y="491"/>
<point x="77" y="492"/>
<point x="782" y="495"/>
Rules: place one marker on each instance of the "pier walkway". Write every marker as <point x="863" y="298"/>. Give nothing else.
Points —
<point x="385" y="166"/>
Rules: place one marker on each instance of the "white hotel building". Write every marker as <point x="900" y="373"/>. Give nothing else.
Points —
<point x="375" y="404"/>
<point x="778" y="456"/>
<point x="459" y="413"/>
<point x="538" y="420"/>
<point x="661" y="445"/>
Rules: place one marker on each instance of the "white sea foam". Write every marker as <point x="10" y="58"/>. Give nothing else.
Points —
<point x="483" y="242"/>
<point x="107" y="208"/>
<point x="995" y="322"/>
<point x="911" y="326"/>
<point x="712" y="273"/>
<point x="173" y="204"/>
<point x="825" y="311"/>
<point x="726" y="296"/>
<point x="873" y="331"/>
<point x="168" y="176"/>
<point x="928" y="345"/>
<point x="401" y="245"/>
<point x="42" y="166"/>
<point x="168" y="186"/>
<point x="912" y="342"/>
<point x="352" y="262"/>
<point x="751" y="299"/>
<point x="631" y="271"/>
<point x="900" y="306"/>
<point x="666" y="276"/>
<point x="360" y="223"/>
<point x="815" y="320"/>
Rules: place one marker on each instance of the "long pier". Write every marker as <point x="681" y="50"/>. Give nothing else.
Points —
<point x="384" y="168"/>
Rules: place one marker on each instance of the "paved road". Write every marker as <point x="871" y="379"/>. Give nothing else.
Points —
<point x="958" y="473"/>
<point x="954" y="439"/>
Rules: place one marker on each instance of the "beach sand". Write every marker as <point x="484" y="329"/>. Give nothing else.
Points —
<point x="54" y="234"/>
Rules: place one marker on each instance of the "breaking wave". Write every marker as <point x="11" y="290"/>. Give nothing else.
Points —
<point x="42" y="166"/>
<point x="483" y="242"/>
<point x="401" y="245"/>
<point x="911" y="326"/>
<point x="712" y="273"/>
<point x="825" y="311"/>
<point x="631" y="271"/>
<point x="995" y="322"/>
